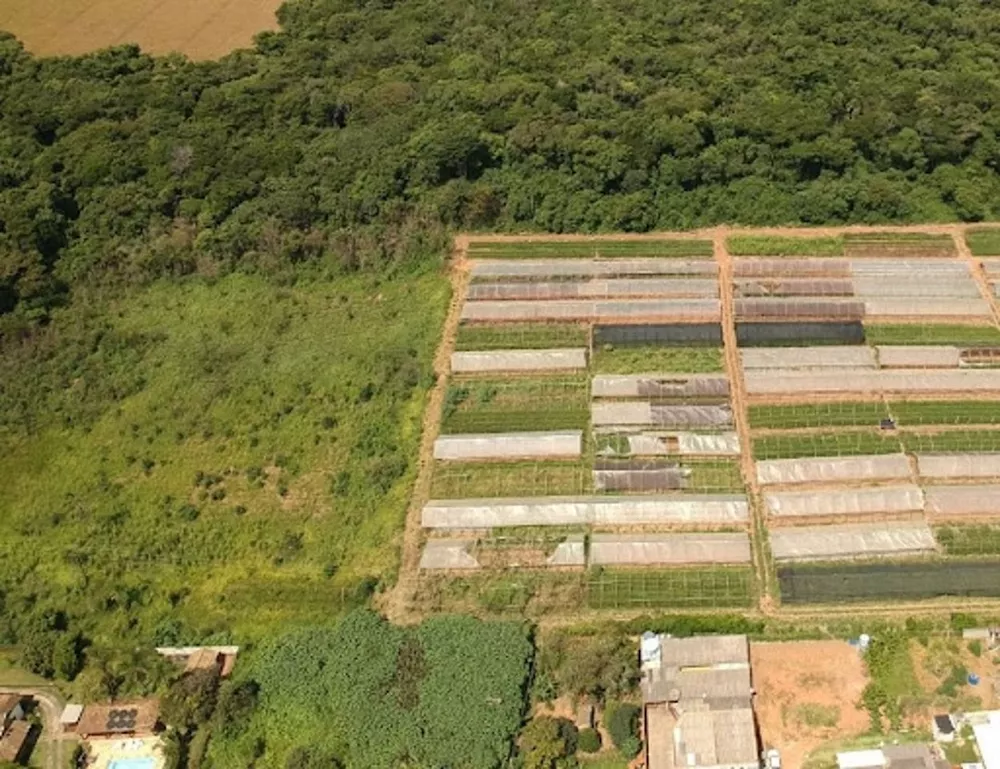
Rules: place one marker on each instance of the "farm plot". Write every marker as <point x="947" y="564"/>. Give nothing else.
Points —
<point x="522" y="336"/>
<point x="818" y="415"/>
<point x="714" y="587"/>
<point x="589" y="248"/>
<point x="765" y="245"/>
<point x="609" y="359"/>
<point x="969" y="540"/>
<point x="965" y="412"/>
<point x="511" y="405"/>
<point x="886" y="581"/>
<point x="931" y="334"/>
<point x="983" y="242"/>
<point x="824" y="444"/>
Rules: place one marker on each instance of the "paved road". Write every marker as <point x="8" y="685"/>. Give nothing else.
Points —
<point x="51" y="705"/>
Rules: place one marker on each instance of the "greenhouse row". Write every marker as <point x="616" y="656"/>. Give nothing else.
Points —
<point x="882" y="467"/>
<point x="634" y="310"/>
<point x="866" y="381"/>
<point x="659" y="386"/>
<point x="558" y="444"/>
<point x="812" y="543"/>
<point x="643" y="413"/>
<point x="539" y="269"/>
<point x="595" y="289"/>
<point x="565" y="359"/>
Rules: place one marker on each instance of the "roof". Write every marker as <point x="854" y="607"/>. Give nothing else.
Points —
<point x="715" y="737"/>
<point x="132" y="717"/>
<point x="202" y="659"/>
<point x="944" y="724"/>
<point x="71" y="714"/>
<point x="986" y="727"/>
<point x="915" y="756"/>
<point x="9" y="701"/>
<point x="12" y="742"/>
<point x="861" y="759"/>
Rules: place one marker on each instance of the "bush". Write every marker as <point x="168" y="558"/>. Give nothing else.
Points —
<point x="976" y="647"/>
<point x="630" y="748"/>
<point x="589" y="741"/>
<point x="622" y="722"/>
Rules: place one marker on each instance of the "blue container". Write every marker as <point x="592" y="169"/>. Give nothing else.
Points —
<point x="973" y="679"/>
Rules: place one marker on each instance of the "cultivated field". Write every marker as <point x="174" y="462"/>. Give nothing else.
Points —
<point x="201" y="29"/>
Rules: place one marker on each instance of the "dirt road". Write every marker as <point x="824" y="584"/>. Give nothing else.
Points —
<point x="51" y="705"/>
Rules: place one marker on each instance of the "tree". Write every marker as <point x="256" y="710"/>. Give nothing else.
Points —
<point x="622" y="722"/>
<point x="542" y="743"/>
<point x="191" y="699"/>
<point x="311" y="758"/>
<point x="599" y="668"/>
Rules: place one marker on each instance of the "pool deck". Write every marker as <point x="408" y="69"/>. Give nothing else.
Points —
<point x="104" y="752"/>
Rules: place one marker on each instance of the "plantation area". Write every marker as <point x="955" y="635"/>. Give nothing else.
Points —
<point x="211" y="458"/>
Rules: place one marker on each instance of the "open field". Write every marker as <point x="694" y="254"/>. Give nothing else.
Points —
<point x="238" y="454"/>
<point x="525" y="336"/>
<point x="584" y="248"/>
<point x="952" y="440"/>
<point x="983" y="242"/>
<point x="931" y="333"/>
<point x="765" y="245"/>
<point x="206" y="29"/>
<point x="512" y="405"/>
<point x="969" y="540"/>
<point x="645" y="360"/>
<point x="457" y="480"/>
<point x="823" y="444"/>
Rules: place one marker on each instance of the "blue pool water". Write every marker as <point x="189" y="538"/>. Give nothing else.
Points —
<point x="132" y="763"/>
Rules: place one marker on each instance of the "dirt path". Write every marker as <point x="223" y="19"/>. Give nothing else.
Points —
<point x="51" y="705"/>
<point x="976" y="268"/>
<point x="741" y="418"/>
<point x="399" y="604"/>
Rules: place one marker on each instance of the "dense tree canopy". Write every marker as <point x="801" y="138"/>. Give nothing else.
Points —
<point x="364" y="125"/>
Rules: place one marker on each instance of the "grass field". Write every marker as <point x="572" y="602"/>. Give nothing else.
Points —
<point x="983" y="242"/>
<point x="953" y="440"/>
<point x="203" y="30"/>
<point x="909" y="413"/>
<point x="818" y="415"/>
<point x="766" y="245"/>
<point x="590" y="248"/>
<point x="820" y="444"/>
<point x="527" y="336"/>
<point x="932" y="334"/>
<point x="233" y="455"/>
<point x="716" y="586"/>
<point x="652" y="359"/>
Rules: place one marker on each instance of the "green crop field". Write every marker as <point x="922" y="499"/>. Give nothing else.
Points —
<point x="909" y="413"/>
<point x="932" y="334"/>
<point x="525" y="336"/>
<point x="953" y="440"/>
<point x="652" y="359"/>
<point x="983" y="242"/>
<point x="590" y="249"/>
<point x="713" y="475"/>
<point x="823" y="444"/>
<point x="818" y="415"/>
<point x="515" y="405"/>
<point x="206" y="455"/>
<point x="969" y="540"/>
<point x="767" y="245"/>
<point x="457" y="480"/>
<point x="710" y="587"/>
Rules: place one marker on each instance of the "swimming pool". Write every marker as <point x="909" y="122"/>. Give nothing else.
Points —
<point x="133" y="763"/>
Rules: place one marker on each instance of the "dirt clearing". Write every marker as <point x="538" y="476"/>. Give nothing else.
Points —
<point x="807" y="693"/>
<point x="201" y="29"/>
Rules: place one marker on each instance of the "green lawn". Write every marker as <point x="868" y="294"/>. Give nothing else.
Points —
<point x="820" y="444"/>
<point x="983" y="242"/>
<point x="945" y="412"/>
<point x="766" y="245"/>
<point x="214" y="456"/>
<point x="526" y="336"/>
<point x="818" y="415"/>
<point x="541" y="249"/>
<point x="652" y="359"/>
<point x="932" y="334"/>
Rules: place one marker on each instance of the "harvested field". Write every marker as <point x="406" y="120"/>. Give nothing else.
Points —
<point x="206" y="29"/>
<point x="807" y="692"/>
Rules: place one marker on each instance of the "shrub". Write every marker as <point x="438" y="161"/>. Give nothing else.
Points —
<point x="630" y="747"/>
<point x="589" y="741"/>
<point x="976" y="647"/>
<point x="622" y="723"/>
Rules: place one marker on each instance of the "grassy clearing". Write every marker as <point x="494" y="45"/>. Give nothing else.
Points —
<point x="652" y="359"/>
<point x="514" y="479"/>
<point x="541" y="249"/>
<point x="932" y="334"/>
<point x="716" y="586"/>
<point x="953" y="440"/>
<point x="969" y="540"/>
<point x="513" y="405"/>
<point x="831" y="444"/>
<point x="818" y="415"/>
<point x="764" y="245"/>
<point x="983" y="242"/>
<point x="224" y="456"/>
<point x="909" y="413"/>
<point x="523" y="336"/>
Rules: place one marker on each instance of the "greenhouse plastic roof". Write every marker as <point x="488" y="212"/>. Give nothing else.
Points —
<point x="958" y="501"/>
<point x="674" y="509"/>
<point x="597" y="268"/>
<point x="570" y="552"/>
<point x="793" y="287"/>
<point x="658" y="385"/>
<point x="640" y="413"/>
<point x="910" y="286"/>
<point x="992" y="267"/>
<point x="668" y="549"/>
<point x="448" y="554"/>
<point x="766" y="382"/>
<point x="919" y="356"/>
<point x="916" y="307"/>
<point x="519" y="360"/>
<point x="685" y="444"/>
<point x="649" y="479"/>
<point x="831" y="356"/>
<point x="799" y="307"/>
<point x="858" y="501"/>
<point x="753" y="267"/>
<point x="595" y="289"/>
<point x="606" y="310"/>
<point x="834" y="469"/>
<point x="509" y="445"/>
<point x="810" y="543"/>
<point x="985" y="465"/>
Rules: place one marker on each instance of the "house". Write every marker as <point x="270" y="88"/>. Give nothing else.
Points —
<point x="70" y="717"/>
<point x="986" y="728"/>
<point x="943" y="728"/>
<point x="915" y="756"/>
<point x="11" y="709"/>
<point x="135" y="718"/>
<point x="697" y="700"/>
<point x="14" y="744"/>
<point x="202" y="657"/>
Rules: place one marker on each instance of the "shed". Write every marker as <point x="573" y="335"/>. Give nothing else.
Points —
<point x="11" y="708"/>
<point x="14" y="745"/>
<point x="71" y="716"/>
<point x="944" y="728"/>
